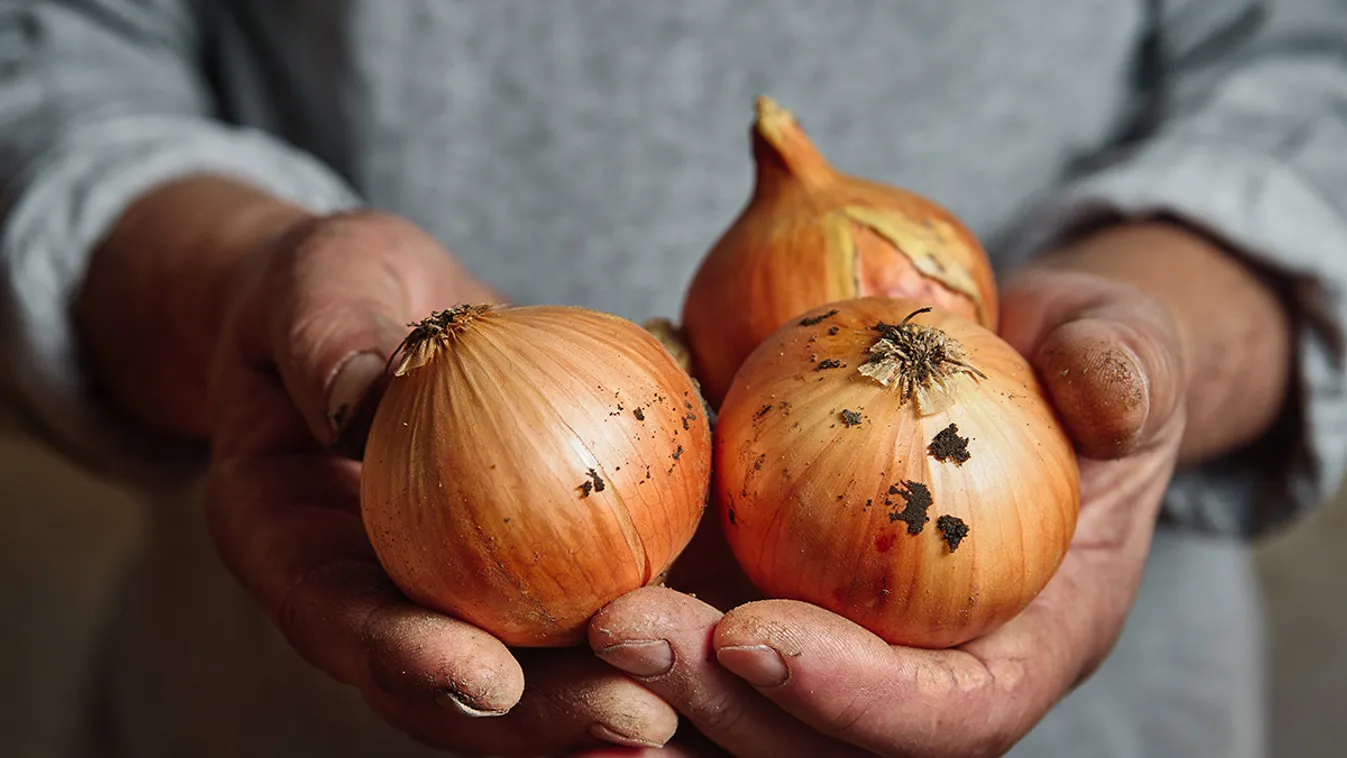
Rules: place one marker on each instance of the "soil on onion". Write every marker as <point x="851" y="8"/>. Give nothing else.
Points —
<point x="594" y="483"/>
<point x="917" y="501"/>
<point x="828" y="363"/>
<point x="639" y="414"/>
<point x="953" y="529"/>
<point x="816" y="320"/>
<point x="688" y="417"/>
<point x="949" y="446"/>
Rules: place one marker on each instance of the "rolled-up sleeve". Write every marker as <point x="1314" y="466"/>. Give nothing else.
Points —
<point x="1250" y="146"/>
<point x="100" y="100"/>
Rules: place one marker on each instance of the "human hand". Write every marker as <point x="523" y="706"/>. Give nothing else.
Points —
<point x="307" y="335"/>
<point x="782" y="678"/>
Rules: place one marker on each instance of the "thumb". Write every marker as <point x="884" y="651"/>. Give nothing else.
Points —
<point x="1107" y="353"/>
<point x="338" y="297"/>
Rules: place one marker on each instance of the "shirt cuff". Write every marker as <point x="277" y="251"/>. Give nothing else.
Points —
<point x="70" y="197"/>
<point x="1268" y="211"/>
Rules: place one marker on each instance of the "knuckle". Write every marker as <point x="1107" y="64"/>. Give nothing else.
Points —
<point x="334" y="633"/>
<point x="717" y="714"/>
<point x="855" y="711"/>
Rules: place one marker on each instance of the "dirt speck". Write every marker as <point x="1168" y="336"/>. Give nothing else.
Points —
<point x="953" y="529"/>
<point x="594" y="483"/>
<point x="917" y="501"/>
<point x="816" y="320"/>
<point x="949" y="446"/>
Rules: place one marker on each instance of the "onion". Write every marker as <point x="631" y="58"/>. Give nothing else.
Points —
<point x="897" y="465"/>
<point x="811" y="235"/>
<point x="528" y="465"/>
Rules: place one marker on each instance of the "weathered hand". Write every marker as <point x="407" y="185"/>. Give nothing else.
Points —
<point x="307" y="335"/>
<point x="782" y="679"/>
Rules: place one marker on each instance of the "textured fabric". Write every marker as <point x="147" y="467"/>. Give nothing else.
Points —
<point x="589" y="152"/>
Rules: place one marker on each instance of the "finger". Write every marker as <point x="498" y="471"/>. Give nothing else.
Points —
<point x="305" y="558"/>
<point x="662" y="639"/>
<point x="287" y="524"/>
<point x="1108" y="356"/>
<point x="668" y="751"/>
<point x="339" y="298"/>
<point x="571" y="700"/>
<point x="845" y="682"/>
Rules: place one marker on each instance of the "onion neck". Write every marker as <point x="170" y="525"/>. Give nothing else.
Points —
<point x="917" y="361"/>
<point x="783" y="152"/>
<point x="433" y="334"/>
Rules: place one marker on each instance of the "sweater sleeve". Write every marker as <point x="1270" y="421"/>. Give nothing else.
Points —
<point x="1243" y="134"/>
<point x="101" y="100"/>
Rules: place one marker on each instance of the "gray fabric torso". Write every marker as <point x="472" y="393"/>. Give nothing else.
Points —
<point x="590" y="152"/>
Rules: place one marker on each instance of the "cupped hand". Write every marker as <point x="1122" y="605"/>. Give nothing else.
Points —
<point x="787" y="679"/>
<point x="306" y="340"/>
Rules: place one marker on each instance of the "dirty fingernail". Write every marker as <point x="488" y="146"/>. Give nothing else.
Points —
<point x="608" y="734"/>
<point x="349" y="384"/>
<point x="759" y="665"/>
<point x="645" y="658"/>
<point x="456" y="701"/>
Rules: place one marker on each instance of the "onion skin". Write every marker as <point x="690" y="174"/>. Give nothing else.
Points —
<point x="477" y="491"/>
<point x="793" y="479"/>
<point x="811" y="235"/>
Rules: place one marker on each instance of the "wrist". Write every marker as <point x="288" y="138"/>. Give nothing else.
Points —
<point x="156" y="291"/>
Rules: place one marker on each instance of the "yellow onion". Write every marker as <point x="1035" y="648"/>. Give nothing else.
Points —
<point x="897" y="465"/>
<point x="810" y="235"/>
<point x="528" y="465"/>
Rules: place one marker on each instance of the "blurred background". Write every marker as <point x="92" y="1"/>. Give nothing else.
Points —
<point x="46" y="503"/>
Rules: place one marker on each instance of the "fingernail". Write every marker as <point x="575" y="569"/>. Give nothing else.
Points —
<point x="349" y="384"/>
<point x="645" y="658"/>
<point x="608" y="734"/>
<point x="457" y="701"/>
<point x="759" y="665"/>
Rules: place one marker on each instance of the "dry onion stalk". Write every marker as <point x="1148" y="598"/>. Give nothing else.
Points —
<point x="897" y="465"/>
<point x="528" y="465"/>
<point x="811" y="235"/>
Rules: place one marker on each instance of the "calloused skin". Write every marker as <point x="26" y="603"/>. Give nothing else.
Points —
<point x="265" y="307"/>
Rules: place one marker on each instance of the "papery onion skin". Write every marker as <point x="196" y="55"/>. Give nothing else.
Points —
<point x="542" y="461"/>
<point x="813" y="503"/>
<point x="810" y="235"/>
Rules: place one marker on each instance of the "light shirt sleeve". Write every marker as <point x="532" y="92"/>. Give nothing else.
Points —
<point x="101" y="100"/>
<point x="1247" y="141"/>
